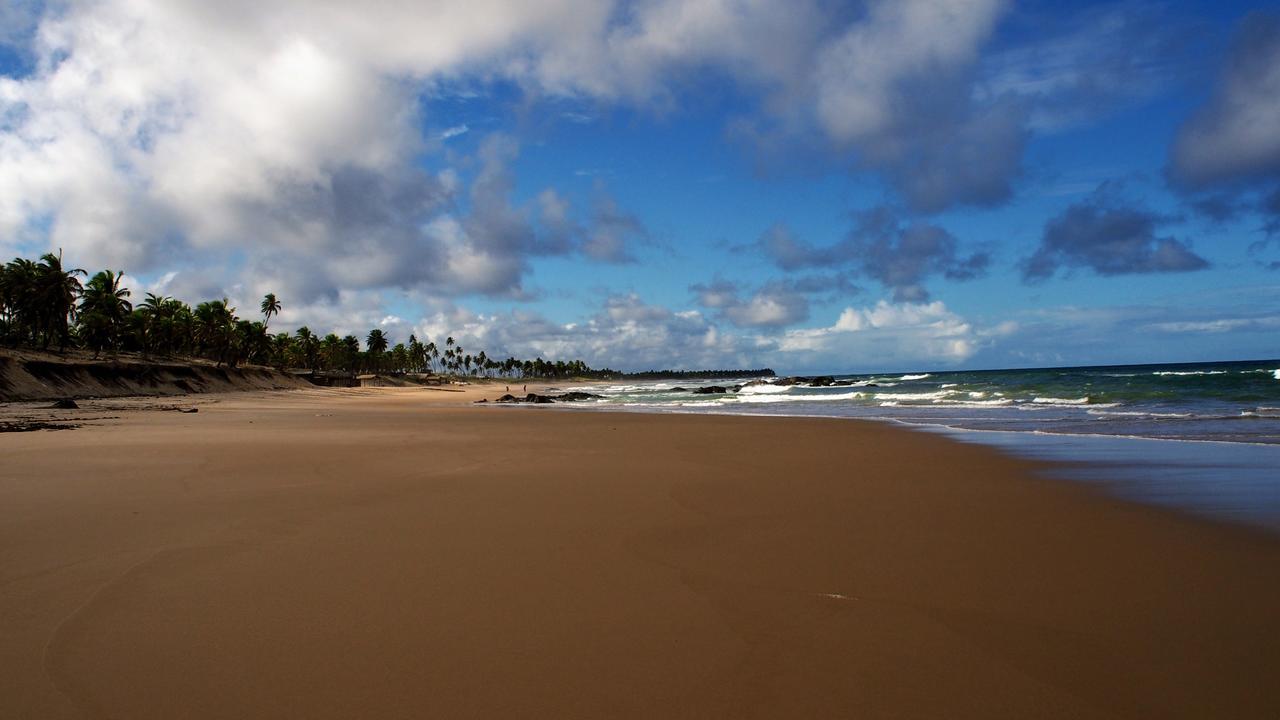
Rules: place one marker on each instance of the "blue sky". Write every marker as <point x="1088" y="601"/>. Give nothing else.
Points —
<point x="808" y="186"/>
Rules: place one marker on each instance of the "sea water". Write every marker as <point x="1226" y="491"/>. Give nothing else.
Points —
<point x="1204" y="437"/>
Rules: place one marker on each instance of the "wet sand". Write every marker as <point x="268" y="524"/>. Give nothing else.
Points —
<point x="399" y="553"/>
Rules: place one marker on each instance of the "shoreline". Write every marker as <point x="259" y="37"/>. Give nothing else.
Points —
<point x="1112" y="475"/>
<point x="388" y="552"/>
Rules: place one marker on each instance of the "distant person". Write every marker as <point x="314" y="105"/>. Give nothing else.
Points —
<point x="526" y="388"/>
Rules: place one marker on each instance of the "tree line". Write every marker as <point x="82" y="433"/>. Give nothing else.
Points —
<point x="46" y="306"/>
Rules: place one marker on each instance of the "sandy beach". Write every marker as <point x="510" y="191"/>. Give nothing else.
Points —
<point x="401" y="553"/>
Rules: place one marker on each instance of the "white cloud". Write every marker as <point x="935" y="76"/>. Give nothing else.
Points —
<point x="454" y="131"/>
<point x="888" y="334"/>
<point x="153" y="130"/>
<point x="859" y="76"/>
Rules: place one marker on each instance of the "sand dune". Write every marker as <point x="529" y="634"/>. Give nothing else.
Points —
<point x="392" y="553"/>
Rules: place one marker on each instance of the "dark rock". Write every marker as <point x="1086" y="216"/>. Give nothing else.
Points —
<point x="822" y="381"/>
<point x="537" y="399"/>
<point x="791" y="381"/>
<point x="710" y="390"/>
<point x="508" y="398"/>
<point x="64" y="404"/>
<point x="871" y="385"/>
<point x="481" y="400"/>
<point x="678" y="389"/>
<point x="188" y="410"/>
<point x="576" y="395"/>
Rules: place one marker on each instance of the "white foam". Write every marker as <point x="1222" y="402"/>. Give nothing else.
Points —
<point x="915" y="377"/>
<point x="801" y="398"/>
<point x="978" y="403"/>
<point x="915" y="396"/>
<point x="1138" y="413"/>
<point x="1191" y="372"/>
<point x="1061" y="401"/>
<point x="764" y="389"/>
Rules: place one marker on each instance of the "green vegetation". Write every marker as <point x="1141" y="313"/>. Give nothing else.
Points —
<point x="46" y="306"/>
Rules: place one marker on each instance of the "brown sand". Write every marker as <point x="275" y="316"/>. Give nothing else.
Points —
<point x="389" y="553"/>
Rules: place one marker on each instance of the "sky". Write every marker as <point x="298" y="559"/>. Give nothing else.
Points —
<point x="812" y="186"/>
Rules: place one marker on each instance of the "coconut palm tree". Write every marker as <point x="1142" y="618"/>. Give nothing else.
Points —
<point x="18" y="300"/>
<point x="56" y="291"/>
<point x="308" y="347"/>
<point x="214" y="325"/>
<point x="376" y="343"/>
<point x="103" y="310"/>
<point x="351" y="352"/>
<point x="270" y="306"/>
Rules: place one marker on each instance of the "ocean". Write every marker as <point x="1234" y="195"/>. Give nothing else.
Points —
<point x="1203" y="437"/>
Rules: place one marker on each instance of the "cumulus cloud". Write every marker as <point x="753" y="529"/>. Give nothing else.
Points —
<point x="624" y="333"/>
<point x="893" y="334"/>
<point x="880" y="246"/>
<point x="152" y="135"/>
<point x="151" y="129"/>
<point x="777" y="304"/>
<point x="1111" y="238"/>
<point x="899" y="88"/>
<point x="1233" y="137"/>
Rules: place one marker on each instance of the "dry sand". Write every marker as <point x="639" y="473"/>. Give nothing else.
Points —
<point x="391" y="553"/>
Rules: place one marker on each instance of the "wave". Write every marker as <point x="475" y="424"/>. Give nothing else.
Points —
<point x="775" y="398"/>
<point x="915" y="377"/>
<point x="1061" y="401"/>
<point x="764" y="389"/>
<point x="1190" y="372"/>
<point x="1139" y="413"/>
<point x="915" y="396"/>
<point x="1004" y="402"/>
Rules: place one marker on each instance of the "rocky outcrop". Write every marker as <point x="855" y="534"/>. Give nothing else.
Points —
<point x="814" y="381"/>
<point x="536" y="399"/>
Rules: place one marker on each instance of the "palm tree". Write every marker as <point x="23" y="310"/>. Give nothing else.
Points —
<point x="270" y="306"/>
<point x="351" y="352"/>
<point x="18" y="300"/>
<point x="376" y="342"/>
<point x="56" y="292"/>
<point x="308" y="347"/>
<point x="214" y="323"/>
<point x="103" y="310"/>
